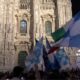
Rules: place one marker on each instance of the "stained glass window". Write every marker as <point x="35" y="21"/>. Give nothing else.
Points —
<point x="48" y="27"/>
<point x="23" y="26"/>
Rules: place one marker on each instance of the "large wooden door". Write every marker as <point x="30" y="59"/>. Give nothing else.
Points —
<point x="21" y="58"/>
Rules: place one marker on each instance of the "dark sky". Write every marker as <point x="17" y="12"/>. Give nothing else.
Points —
<point x="75" y="6"/>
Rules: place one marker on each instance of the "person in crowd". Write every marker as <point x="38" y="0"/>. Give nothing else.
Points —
<point x="17" y="73"/>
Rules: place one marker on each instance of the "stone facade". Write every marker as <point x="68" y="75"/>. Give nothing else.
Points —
<point x="35" y="13"/>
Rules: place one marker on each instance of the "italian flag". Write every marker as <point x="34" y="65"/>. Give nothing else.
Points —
<point x="58" y="34"/>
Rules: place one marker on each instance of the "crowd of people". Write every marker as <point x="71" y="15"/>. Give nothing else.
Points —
<point x="19" y="73"/>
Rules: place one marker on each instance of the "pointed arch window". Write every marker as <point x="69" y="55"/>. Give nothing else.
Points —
<point x="23" y="26"/>
<point x="48" y="27"/>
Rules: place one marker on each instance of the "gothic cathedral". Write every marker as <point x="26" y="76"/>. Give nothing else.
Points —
<point x="21" y="21"/>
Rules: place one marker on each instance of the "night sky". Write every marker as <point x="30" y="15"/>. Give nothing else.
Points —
<point x="75" y="6"/>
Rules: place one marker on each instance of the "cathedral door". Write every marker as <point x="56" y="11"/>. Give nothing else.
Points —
<point x="21" y="58"/>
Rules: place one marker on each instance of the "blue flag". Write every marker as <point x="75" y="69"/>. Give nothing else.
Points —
<point x="72" y="36"/>
<point x="46" y="60"/>
<point x="50" y="56"/>
<point x="34" y="58"/>
<point x="62" y="58"/>
<point x="50" y="60"/>
<point x="48" y="46"/>
<point x="71" y="33"/>
<point x="48" y="64"/>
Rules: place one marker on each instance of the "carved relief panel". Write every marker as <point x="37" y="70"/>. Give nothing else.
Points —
<point x="24" y="4"/>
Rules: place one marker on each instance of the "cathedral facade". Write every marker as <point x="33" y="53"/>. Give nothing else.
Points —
<point x="21" y="21"/>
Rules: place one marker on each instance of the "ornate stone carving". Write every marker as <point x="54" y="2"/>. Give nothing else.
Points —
<point x="16" y="10"/>
<point x="24" y="4"/>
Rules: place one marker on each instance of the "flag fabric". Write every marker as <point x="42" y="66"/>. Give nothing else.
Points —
<point x="49" y="66"/>
<point x="48" y="46"/>
<point x="41" y="64"/>
<point x="50" y="60"/>
<point x="62" y="58"/>
<point x="46" y="60"/>
<point x="34" y="58"/>
<point x="53" y="49"/>
<point x="71" y="33"/>
<point x="58" y="34"/>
